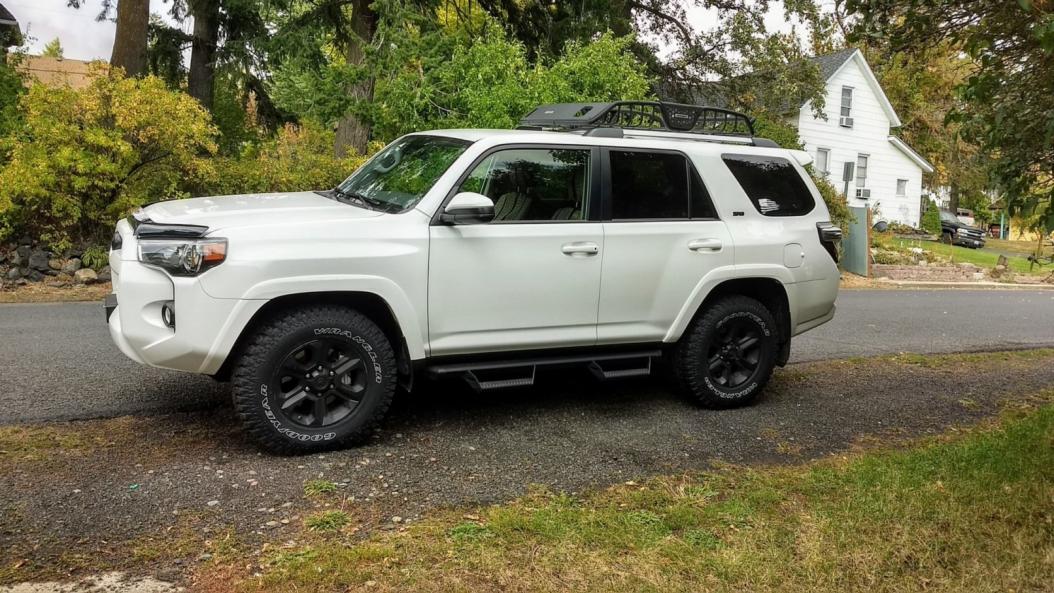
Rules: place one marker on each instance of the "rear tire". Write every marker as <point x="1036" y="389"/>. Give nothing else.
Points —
<point x="726" y="356"/>
<point x="314" y="379"/>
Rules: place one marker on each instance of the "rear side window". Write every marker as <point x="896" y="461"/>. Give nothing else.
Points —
<point x="772" y="184"/>
<point x="656" y="186"/>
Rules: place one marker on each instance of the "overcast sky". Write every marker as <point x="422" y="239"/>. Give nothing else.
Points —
<point x="84" y="38"/>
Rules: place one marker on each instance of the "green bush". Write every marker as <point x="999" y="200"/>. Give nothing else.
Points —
<point x="298" y="158"/>
<point x="931" y="218"/>
<point x="80" y="159"/>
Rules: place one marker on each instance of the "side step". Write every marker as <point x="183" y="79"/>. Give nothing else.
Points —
<point x="631" y="367"/>
<point x="502" y="374"/>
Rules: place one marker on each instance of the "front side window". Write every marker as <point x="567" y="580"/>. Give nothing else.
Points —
<point x="772" y="184"/>
<point x="656" y="186"/>
<point x="534" y="184"/>
<point x="401" y="174"/>
<point x="861" y="170"/>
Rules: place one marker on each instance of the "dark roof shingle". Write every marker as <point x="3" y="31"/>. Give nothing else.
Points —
<point x="830" y="63"/>
<point x="6" y="18"/>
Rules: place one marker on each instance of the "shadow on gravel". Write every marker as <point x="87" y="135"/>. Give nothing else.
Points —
<point x="137" y="481"/>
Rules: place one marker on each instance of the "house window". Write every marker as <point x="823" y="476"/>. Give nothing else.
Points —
<point x="846" y="119"/>
<point x="902" y="187"/>
<point x="823" y="160"/>
<point x="861" y="170"/>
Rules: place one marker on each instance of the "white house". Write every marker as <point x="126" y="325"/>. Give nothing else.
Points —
<point x="887" y="172"/>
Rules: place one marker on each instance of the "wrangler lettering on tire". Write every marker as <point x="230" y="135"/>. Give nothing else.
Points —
<point x="313" y="379"/>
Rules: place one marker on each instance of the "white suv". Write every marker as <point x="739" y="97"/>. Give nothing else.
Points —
<point x="602" y="234"/>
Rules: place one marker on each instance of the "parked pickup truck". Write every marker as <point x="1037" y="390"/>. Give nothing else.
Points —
<point x="606" y="235"/>
<point x="955" y="232"/>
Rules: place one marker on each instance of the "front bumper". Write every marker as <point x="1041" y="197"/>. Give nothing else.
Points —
<point x="205" y="331"/>
<point x="110" y="305"/>
<point x="968" y="242"/>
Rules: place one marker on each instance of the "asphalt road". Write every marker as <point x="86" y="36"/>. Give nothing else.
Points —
<point x="57" y="361"/>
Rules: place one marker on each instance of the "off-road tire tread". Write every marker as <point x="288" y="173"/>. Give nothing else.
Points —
<point x="244" y="382"/>
<point x="688" y="374"/>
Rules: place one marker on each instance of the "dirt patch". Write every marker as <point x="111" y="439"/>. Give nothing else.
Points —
<point x="165" y="495"/>
<point x="38" y="292"/>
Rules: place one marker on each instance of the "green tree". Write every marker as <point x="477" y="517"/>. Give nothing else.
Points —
<point x="12" y="87"/>
<point x="1005" y="107"/>
<point x="53" y="49"/>
<point x="83" y="158"/>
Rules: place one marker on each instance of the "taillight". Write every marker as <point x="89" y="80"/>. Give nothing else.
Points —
<point x="830" y="237"/>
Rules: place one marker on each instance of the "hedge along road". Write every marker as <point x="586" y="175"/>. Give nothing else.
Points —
<point x="57" y="361"/>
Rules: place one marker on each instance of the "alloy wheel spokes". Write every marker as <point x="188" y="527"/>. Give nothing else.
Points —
<point x="321" y="382"/>
<point x="734" y="354"/>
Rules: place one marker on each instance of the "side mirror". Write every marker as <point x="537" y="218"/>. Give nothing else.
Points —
<point x="468" y="208"/>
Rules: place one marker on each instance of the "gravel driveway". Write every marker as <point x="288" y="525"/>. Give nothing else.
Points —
<point x="98" y="493"/>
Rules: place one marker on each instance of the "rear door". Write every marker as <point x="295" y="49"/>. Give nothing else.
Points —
<point x="661" y="236"/>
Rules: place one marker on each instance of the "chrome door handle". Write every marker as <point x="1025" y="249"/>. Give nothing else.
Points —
<point x="580" y="248"/>
<point x="705" y="245"/>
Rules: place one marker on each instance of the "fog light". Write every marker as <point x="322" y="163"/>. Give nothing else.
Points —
<point x="168" y="314"/>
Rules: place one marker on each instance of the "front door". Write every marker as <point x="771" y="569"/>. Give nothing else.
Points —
<point x="530" y="278"/>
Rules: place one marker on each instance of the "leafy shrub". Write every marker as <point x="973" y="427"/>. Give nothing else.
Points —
<point x="83" y="158"/>
<point x="931" y="218"/>
<point x="12" y="87"/>
<point x="95" y="257"/>
<point x="299" y="158"/>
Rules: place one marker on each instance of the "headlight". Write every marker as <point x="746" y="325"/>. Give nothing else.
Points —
<point x="962" y="231"/>
<point x="183" y="257"/>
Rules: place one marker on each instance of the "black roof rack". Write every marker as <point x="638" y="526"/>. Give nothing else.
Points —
<point x="640" y="115"/>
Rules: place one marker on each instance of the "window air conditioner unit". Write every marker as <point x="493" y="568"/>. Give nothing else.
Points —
<point x="863" y="194"/>
<point x="845" y="122"/>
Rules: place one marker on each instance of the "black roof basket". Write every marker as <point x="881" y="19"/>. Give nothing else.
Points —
<point x="640" y="115"/>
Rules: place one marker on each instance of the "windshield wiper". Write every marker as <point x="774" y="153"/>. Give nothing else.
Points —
<point x="369" y="202"/>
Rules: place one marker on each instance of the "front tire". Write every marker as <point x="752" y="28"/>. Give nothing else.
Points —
<point x="726" y="356"/>
<point x="314" y="379"/>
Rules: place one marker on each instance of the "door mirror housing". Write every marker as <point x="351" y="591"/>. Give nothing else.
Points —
<point x="468" y="207"/>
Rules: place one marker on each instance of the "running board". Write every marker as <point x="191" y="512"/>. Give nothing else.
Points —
<point x="502" y="374"/>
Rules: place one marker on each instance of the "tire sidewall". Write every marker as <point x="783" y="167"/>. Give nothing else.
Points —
<point x="379" y="383"/>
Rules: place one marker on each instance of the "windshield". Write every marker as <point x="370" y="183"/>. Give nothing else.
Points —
<point x="948" y="216"/>
<point x="401" y="174"/>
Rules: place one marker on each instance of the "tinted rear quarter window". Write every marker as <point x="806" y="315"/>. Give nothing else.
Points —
<point x="656" y="186"/>
<point x="772" y="184"/>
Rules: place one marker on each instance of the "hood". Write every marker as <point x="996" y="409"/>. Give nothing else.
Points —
<point x="218" y="212"/>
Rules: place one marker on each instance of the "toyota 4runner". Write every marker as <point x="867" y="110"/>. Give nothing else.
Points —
<point x="608" y="235"/>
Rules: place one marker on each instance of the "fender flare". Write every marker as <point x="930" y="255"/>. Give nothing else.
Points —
<point x="410" y="323"/>
<point x="718" y="276"/>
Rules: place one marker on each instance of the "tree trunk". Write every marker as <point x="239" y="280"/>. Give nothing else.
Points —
<point x="129" y="44"/>
<point x="953" y="198"/>
<point x="202" y="73"/>
<point x="352" y="132"/>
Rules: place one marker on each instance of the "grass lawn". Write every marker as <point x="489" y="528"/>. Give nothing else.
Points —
<point x="984" y="258"/>
<point x="970" y="512"/>
<point x="1022" y="248"/>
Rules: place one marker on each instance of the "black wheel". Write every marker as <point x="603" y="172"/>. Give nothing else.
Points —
<point x="947" y="238"/>
<point x="726" y="356"/>
<point x="314" y="379"/>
